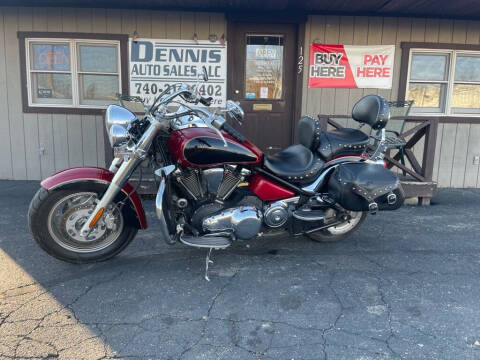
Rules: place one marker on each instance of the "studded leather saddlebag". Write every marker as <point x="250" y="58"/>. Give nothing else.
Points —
<point x="365" y="187"/>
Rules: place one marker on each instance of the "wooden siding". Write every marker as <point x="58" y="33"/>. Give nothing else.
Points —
<point x="77" y="140"/>
<point x="70" y="140"/>
<point x="456" y="143"/>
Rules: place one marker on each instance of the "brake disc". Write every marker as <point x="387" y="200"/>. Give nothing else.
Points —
<point x="73" y="219"/>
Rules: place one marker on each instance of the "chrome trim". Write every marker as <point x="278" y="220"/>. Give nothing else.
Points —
<point x="218" y="121"/>
<point x="165" y="171"/>
<point x="244" y="222"/>
<point x="377" y="162"/>
<point x="184" y="240"/>
<point x="312" y="188"/>
<point x="186" y="188"/>
<point x="269" y="210"/>
<point x="342" y="159"/>
<point x="117" y="115"/>
<point x="116" y="162"/>
<point x="235" y="111"/>
<point x="96" y="180"/>
<point x="162" y="173"/>
<point x="118" y="135"/>
<point x="193" y="124"/>
<point x="229" y="192"/>
<point x="289" y="200"/>
<point x="159" y="209"/>
<point x="319" y="181"/>
<point x="211" y="179"/>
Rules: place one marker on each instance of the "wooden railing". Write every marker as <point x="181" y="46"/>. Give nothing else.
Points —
<point x="418" y="182"/>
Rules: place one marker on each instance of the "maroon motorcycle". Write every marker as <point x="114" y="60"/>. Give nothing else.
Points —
<point x="214" y="186"/>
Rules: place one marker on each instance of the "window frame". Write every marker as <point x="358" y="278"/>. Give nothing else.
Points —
<point x="453" y="50"/>
<point x="74" y="40"/>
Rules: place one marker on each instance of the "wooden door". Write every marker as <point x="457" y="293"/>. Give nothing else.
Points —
<point x="262" y="79"/>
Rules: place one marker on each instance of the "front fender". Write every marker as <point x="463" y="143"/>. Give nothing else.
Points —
<point x="66" y="177"/>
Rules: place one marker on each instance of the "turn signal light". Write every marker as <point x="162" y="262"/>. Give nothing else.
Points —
<point x="96" y="218"/>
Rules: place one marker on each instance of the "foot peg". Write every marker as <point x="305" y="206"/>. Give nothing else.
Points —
<point x="208" y="241"/>
<point x="211" y="242"/>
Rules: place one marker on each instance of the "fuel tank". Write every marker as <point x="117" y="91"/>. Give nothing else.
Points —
<point x="201" y="147"/>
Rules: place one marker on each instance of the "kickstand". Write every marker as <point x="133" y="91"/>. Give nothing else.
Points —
<point x="207" y="262"/>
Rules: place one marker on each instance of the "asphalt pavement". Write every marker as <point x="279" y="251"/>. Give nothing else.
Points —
<point x="404" y="286"/>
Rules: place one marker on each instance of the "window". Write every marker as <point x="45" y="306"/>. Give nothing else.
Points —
<point x="264" y="67"/>
<point x="444" y="82"/>
<point x="67" y="72"/>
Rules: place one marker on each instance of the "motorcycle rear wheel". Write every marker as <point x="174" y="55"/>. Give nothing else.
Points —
<point x="55" y="218"/>
<point x="341" y="231"/>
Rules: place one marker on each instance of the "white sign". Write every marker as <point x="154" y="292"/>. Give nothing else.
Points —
<point x="264" y="92"/>
<point x="157" y="63"/>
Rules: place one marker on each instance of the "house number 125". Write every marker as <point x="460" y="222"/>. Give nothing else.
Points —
<point x="300" y="61"/>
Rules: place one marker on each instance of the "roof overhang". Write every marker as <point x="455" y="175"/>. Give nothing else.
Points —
<point x="458" y="9"/>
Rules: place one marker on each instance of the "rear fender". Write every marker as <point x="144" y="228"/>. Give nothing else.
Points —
<point x="65" y="178"/>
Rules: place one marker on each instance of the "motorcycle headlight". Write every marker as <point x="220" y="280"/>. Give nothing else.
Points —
<point x="117" y="120"/>
<point x="118" y="135"/>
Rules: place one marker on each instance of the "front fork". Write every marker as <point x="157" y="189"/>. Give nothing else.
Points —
<point x="130" y="162"/>
<point x="120" y="178"/>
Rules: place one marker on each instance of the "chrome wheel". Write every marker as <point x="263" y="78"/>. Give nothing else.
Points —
<point x="343" y="228"/>
<point x="68" y="215"/>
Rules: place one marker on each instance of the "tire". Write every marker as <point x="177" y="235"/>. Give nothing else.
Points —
<point x="328" y="235"/>
<point x="48" y="237"/>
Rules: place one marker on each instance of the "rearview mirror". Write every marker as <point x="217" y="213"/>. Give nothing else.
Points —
<point x="234" y="110"/>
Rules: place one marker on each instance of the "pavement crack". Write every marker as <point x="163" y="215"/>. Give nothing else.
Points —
<point x="207" y="316"/>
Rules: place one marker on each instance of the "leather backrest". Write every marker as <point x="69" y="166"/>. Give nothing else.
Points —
<point x="309" y="132"/>
<point x="372" y="110"/>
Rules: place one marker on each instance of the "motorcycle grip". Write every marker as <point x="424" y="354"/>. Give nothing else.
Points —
<point x="233" y="132"/>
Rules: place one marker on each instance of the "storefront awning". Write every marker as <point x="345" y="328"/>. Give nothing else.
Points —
<point x="468" y="9"/>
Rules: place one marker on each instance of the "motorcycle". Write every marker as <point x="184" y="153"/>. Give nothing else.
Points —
<point x="215" y="187"/>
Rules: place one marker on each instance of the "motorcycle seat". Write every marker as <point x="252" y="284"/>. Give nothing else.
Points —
<point x="296" y="164"/>
<point x="330" y="144"/>
<point x="342" y="142"/>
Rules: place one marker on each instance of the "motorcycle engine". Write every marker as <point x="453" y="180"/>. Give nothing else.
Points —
<point x="218" y="183"/>
<point x="244" y="222"/>
<point x="220" y="214"/>
<point x="276" y="214"/>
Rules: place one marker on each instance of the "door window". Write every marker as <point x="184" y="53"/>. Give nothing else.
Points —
<point x="264" y="67"/>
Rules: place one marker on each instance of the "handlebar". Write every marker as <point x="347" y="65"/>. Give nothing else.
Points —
<point x="229" y="129"/>
<point x="159" y="111"/>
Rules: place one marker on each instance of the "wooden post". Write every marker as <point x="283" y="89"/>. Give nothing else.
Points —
<point x="429" y="156"/>
<point x="323" y="122"/>
<point x="429" y="149"/>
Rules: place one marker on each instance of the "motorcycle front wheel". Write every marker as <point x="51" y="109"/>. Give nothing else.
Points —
<point x="340" y="231"/>
<point x="55" y="218"/>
